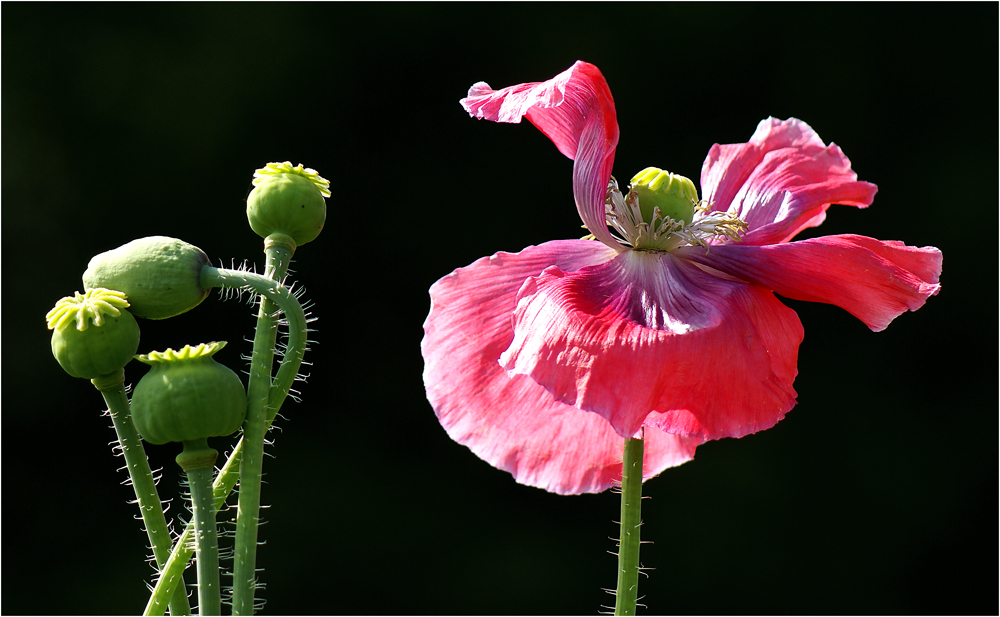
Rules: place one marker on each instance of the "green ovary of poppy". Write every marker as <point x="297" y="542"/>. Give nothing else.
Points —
<point x="288" y="200"/>
<point x="187" y="396"/>
<point x="92" y="333"/>
<point x="675" y="196"/>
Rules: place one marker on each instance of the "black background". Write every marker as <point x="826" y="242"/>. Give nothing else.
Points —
<point x="878" y="493"/>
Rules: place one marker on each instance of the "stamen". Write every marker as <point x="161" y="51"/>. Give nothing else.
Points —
<point x="623" y="215"/>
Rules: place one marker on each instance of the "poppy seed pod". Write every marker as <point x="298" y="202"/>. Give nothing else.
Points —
<point x="187" y="396"/>
<point x="92" y="333"/>
<point x="158" y="274"/>
<point x="674" y="195"/>
<point x="288" y="200"/>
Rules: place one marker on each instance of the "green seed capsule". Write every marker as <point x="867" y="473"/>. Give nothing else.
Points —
<point x="187" y="396"/>
<point x="158" y="274"/>
<point x="675" y="196"/>
<point x="92" y="333"/>
<point x="288" y="200"/>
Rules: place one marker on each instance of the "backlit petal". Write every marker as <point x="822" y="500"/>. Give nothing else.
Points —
<point x="874" y="280"/>
<point x="513" y="423"/>
<point x="575" y="110"/>
<point x="649" y="332"/>
<point x="782" y="181"/>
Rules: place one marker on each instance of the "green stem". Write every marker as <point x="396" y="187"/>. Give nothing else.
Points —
<point x="254" y="429"/>
<point x="198" y="462"/>
<point x="294" y="317"/>
<point x="628" y="543"/>
<point x="170" y="574"/>
<point x="113" y="389"/>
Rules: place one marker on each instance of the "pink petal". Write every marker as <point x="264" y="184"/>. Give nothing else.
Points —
<point x="782" y="181"/>
<point x="575" y="110"/>
<point x="513" y="423"/>
<point x="875" y="281"/>
<point x="648" y="332"/>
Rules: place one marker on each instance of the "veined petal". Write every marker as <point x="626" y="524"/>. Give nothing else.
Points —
<point x="513" y="423"/>
<point x="782" y="181"/>
<point x="575" y="110"/>
<point x="648" y="332"/>
<point x="874" y="280"/>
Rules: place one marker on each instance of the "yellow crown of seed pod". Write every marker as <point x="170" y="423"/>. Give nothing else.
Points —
<point x="187" y="396"/>
<point x="92" y="333"/>
<point x="160" y="275"/>
<point x="288" y="200"/>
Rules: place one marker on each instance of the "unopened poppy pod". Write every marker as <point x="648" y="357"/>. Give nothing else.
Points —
<point x="160" y="275"/>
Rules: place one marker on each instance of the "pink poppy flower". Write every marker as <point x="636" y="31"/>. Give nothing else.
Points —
<point x="543" y="361"/>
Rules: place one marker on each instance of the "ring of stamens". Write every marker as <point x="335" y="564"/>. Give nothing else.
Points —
<point x="664" y="233"/>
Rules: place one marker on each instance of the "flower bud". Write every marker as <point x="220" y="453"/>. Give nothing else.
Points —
<point x="674" y="195"/>
<point x="92" y="333"/>
<point x="288" y="200"/>
<point x="158" y="274"/>
<point x="187" y="396"/>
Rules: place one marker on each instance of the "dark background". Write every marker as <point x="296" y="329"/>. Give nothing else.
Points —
<point x="878" y="493"/>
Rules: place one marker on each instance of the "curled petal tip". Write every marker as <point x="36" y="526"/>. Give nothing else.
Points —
<point x="576" y="111"/>
<point x="480" y="88"/>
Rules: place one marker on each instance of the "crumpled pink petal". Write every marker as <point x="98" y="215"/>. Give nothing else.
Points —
<point x="874" y="280"/>
<point x="782" y="181"/>
<point x="648" y="332"/>
<point x="575" y="110"/>
<point x="511" y="422"/>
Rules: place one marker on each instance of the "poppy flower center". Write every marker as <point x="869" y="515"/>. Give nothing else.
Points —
<point x="662" y="212"/>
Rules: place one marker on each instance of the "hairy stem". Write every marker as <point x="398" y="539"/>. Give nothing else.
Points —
<point x="170" y="574"/>
<point x="113" y="389"/>
<point x="628" y="543"/>
<point x="198" y="462"/>
<point x="254" y="428"/>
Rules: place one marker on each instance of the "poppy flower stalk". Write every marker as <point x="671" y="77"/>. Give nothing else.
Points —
<point x="546" y="362"/>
